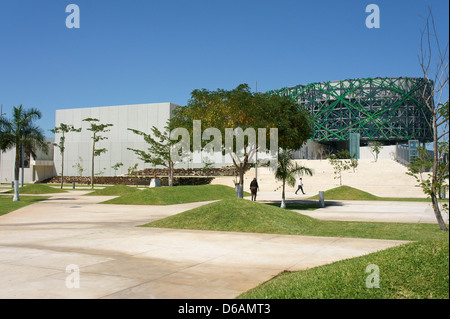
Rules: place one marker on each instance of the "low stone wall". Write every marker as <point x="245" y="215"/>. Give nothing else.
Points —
<point x="128" y="180"/>
<point x="183" y="176"/>
<point x="222" y="171"/>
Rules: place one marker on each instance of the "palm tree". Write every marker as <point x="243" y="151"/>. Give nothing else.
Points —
<point x="287" y="170"/>
<point x="21" y="132"/>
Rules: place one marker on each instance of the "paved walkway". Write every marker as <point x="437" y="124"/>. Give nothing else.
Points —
<point x="377" y="211"/>
<point x="364" y="211"/>
<point x="118" y="260"/>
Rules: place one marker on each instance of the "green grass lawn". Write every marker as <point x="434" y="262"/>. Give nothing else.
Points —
<point x="171" y="195"/>
<point x="68" y="185"/>
<point x="37" y="189"/>
<point x="7" y="205"/>
<point x="242" y="215"/>
<point x="418" y="270"/>
<point x="116" y="190"/>
<point x="350" y="193"/>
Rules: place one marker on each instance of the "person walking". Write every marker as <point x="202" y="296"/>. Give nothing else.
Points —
<point x="300" y="186"/>
<point x="254" y="188"/>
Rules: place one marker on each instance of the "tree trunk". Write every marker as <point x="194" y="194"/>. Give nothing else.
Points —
<point x="16" y="176"/>
<point x="62" y="170"/>
<point x="170" y="173"/>
<point x="437" y="210"/>
<point x="22" y="165"/>
<point x="93" y="157"/>
<point x="241" y="175"/>
<point x="283" y="196"/>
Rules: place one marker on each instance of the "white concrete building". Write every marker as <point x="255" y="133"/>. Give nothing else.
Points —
<point x="78" y="146"/>
<point x="34" y="169"/>
<point x="78" y="150"/>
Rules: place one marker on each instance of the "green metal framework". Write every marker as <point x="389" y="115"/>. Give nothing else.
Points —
<point x="383" y="109"/>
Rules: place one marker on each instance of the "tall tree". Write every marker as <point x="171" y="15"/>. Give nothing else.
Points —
<point x="63" y="129"/>
<point x="22" y="133"/>
<point x="433" y="60"/>
<point x="96" y="130"/>
<point x="240" y="108"/>
<point x="287" y="170"/>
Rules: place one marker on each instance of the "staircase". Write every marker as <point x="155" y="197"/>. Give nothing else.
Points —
<point x="385" y="178"/>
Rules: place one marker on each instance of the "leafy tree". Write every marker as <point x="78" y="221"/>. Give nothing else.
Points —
<point x="21" y="132"/>
<point x="96" y="130"/>
<point x="207" y="165"/>
<point x="79" y="166"/>
<point x="353" y="161"/>
<point x="421" y="164"/>
<point x="133" y="172"/>
<point x="101" y="172"/>
<point x="375" y="148"/>
<point x="341" y="162"/>
<point x="240" y="108"/>
<point x="159" y="150"/>
<point x="116" y="167"/>
<point x="63" y="129"/>
<point x="133" y="169"/>
<point x="287" y="170"/>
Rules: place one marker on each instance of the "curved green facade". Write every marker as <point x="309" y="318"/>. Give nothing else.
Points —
<point x="379" y="109"/>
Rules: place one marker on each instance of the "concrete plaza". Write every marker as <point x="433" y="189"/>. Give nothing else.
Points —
<point x="116" y="259"/>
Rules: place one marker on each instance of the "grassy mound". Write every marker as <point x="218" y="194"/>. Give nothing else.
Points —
<point x="37" y="189"/>
<point x="417" y="270"/>
<point x="350" y="193"/>
<point x="346" y="193"/>
<point x="242" y="215"/>
<point x="7" y="205"/>
<point x="175" y="195"/>
<point x="237" y="215"/>
<point x="116" y="190"/>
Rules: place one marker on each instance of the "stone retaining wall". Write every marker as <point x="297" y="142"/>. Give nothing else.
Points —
<point x="127" y="180"/>
<point x="222" y="171"/>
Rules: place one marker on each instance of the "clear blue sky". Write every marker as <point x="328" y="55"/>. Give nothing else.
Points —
<point x="141" y="51"/>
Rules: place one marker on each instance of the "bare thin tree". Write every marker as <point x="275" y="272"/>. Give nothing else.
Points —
<point x="433" y="60"/>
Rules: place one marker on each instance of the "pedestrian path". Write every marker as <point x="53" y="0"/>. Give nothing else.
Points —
<point x="377" y="211"/>
<point x="43" y="247"/>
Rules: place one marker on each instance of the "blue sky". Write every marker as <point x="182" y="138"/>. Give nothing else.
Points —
<point x="131" y="52"/>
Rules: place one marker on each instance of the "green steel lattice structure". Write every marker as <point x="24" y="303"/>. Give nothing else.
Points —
<point x="379" y="109"/>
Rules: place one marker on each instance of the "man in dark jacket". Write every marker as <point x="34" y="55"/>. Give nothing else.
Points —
<point x="254" y="188"/>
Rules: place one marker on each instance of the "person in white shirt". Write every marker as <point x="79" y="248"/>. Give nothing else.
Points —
<point x="300" y="186"/>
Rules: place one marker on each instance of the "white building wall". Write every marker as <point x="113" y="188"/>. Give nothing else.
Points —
<point x="141" y="117"/>
<point x="386" y="152"/>
<point x="7" y="166"/>
<point x="314" y="151"/>
<point x="39" y="169"/>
